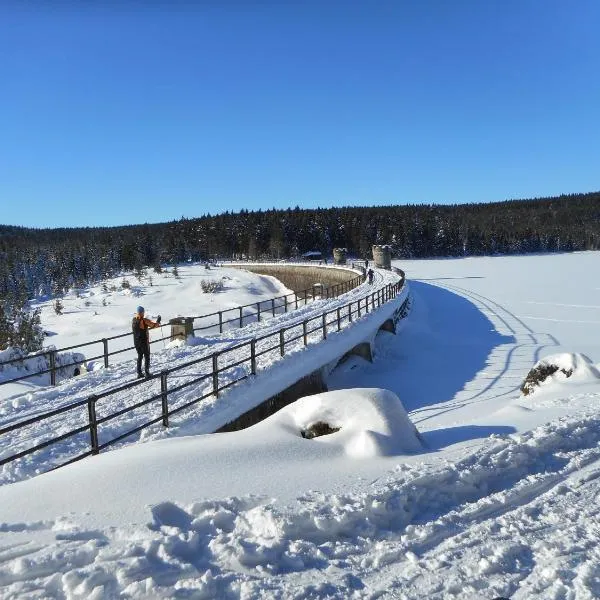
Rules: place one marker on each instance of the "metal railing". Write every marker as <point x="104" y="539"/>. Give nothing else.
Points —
<point x="212" y="374"/>
<point x="240" y="316"/>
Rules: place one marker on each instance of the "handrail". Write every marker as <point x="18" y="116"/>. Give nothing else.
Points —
<point x="302" y="296"/>
<point x="309" y="330"/>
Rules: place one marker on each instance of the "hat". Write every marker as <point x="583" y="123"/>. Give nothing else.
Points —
<point x="140" y="309"/>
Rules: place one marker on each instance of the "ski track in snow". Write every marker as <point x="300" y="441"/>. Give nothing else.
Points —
<point x="25" y="406"/>
<point x="516" y="359"/>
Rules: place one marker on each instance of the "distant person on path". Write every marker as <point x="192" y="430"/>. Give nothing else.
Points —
<point x="141" y="340"/>
<point x="370" y="274"/>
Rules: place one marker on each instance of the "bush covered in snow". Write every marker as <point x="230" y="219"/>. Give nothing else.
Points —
<point x="559" y="367"/>
<point x="211" y="286"/>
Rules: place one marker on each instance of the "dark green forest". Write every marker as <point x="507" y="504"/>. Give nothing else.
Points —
<point x="47" y="262"/>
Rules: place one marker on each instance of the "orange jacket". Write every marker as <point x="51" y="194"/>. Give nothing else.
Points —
<point x="140" y="326"/>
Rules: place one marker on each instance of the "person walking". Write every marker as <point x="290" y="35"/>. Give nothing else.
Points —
<point x="370" y="274"/>
<point x="141" y="339"/>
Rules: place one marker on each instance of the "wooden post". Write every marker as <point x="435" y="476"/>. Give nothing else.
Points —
<point x="105" y="350"/>
<point x="304" y="332"/>
<point x="339" y="319"/>
<point x="52" y="367"/>
<point x="93" y="424"/>
<point x="273" y="306"/>
<point x="220" y="322"/>
<point x="253" y="356"/>
<point x="324" y="326"/>
<point x="241" y="317"/>
<point x="281" y="342"/>
<point x="258" y="311"/>
<point x="215" y="374"/>
<point x="163" y="397"/>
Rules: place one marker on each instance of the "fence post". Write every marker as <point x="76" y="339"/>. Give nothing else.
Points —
<point x="163" y="396"/>
<point x="253" y="356"/>
<point x="324" y="326"/>
<point x="273" y="306"/>
<point x="220" y="322"/>
<point x="296" y="299"/>
<point x="304" y="332"/>
<point x="93" y="424"/>
<point x="241" y="317"/>
<point x="258" y="311"/>
<point x="339" y="319"/>
<point x="350" y="312"/>
<point x="215" y="374"/>
<point x="52" y="367"/>
<point x="281" y="342"/>
<point x="105" y="347"/>
<point x="285" y="303"/>
<point x="305" y="292"/>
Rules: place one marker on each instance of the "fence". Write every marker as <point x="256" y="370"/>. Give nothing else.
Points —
<point x="218" y="372"/>
<point x="241" y="316"/>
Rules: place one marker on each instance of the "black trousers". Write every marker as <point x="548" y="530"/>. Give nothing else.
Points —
<point x="143" y="351"/>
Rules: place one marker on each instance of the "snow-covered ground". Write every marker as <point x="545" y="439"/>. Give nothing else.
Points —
<point x="494" y="494"/>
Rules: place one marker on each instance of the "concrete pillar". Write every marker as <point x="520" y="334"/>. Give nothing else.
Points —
<point x="382" y="257"/>
<point x="181" y="327"/>
<point x="339" y="256"/>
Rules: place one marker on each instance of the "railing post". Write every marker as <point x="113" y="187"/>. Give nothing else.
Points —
<point x="350" y="312"/>
<point x="93" y="424"/>
<point x="215" y="374"/>
<point x="241" y="317"/>
<point x="163" y="397"/>
<point x="359" y="308"/>
<point x="258" y="311"/>
<point x="304" y="332"/>
<point x="105" y="350"/>
<point x="52" y="367"/>
<point x="339" y="319"/>
<point x="296" y="299"/>
<point x="220" y="322"/>
<point x="253" y="356"/>
<point x="273" y="306"/>
<point x="305" y="293"/>
<point x="324" y="326"/>
<point x="281" y="342"/>
<point x="285" y="303"/>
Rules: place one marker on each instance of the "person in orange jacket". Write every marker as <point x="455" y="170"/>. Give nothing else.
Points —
<point x="141" y="339"/>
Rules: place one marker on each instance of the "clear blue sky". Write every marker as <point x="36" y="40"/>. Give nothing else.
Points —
<point x="125" y="112"/>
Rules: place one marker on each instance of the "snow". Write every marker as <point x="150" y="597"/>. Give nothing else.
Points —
<point x="494" y="493"/>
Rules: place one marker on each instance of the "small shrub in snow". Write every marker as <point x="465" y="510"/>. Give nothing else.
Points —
<point x="58" y="306"/>
<point x="318" y="429"/>
<point x="125" y="284"/>
<point x="539" y="374"/>
<point x="211" y="286"/>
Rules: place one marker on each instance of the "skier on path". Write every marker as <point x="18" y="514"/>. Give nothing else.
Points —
<point x="141" y="340"/>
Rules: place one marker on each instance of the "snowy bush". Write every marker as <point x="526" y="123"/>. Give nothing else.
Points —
<point x="211" y="286"/>
<point x="557" y="368"/>
<point x="318" y="429"/>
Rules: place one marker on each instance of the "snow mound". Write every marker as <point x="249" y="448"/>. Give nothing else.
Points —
<point x="371" y="421"/>
<point x="557" y="368"/>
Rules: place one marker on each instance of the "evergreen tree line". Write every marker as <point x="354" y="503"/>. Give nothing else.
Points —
<point x="48" y="262"/>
